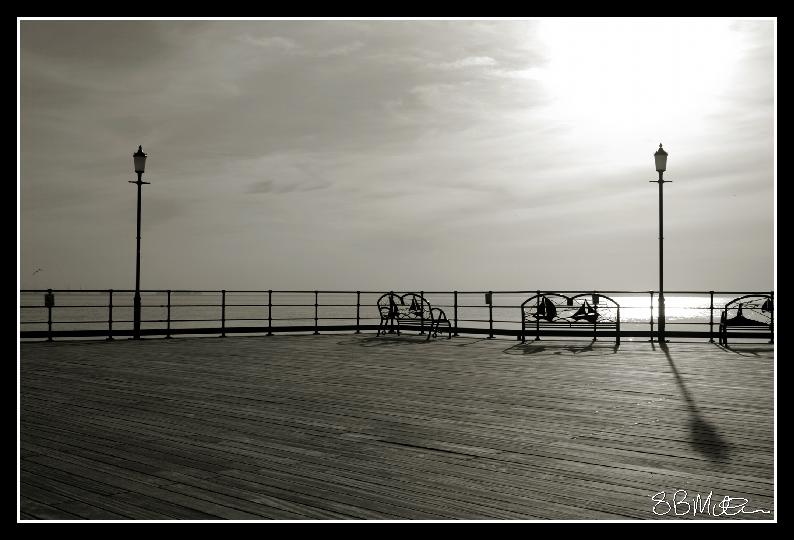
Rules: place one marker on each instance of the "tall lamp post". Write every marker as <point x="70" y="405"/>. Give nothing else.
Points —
<point x="660" y="157"/>
<point x="140" y="163"/>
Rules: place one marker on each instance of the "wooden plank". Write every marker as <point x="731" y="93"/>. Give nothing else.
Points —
<point x="36" y="474"/>
<point x="89" y="512"/>
<point x="273" y="507"/>
<point x="163" y="505"/>
<point x="44" y="511"/>
<point x="61" y="492"/>
<point x="41" y="495"/>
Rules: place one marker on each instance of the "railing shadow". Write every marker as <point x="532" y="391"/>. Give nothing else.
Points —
<point x="702" y="435"/>
<point x="534" y="347"/>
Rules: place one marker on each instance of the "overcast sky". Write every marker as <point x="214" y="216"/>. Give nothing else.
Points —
<point x="376" y="155"/>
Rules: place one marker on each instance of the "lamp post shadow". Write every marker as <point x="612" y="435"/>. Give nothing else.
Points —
<point x="702" y="435"/>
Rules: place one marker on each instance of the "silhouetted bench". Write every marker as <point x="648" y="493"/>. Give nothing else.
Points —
<point x="590" y="311"/>
<point x="410" y="311"/>
<point x="750" y="313"/>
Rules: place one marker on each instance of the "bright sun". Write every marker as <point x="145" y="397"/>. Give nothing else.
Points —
<point x="617" y="79"/>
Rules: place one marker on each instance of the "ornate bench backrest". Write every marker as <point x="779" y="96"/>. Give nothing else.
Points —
<point x="414" y="306"/>
<point x="388" y="303"/>
<point x="748" y="310"/>
<point x="406" y="306"/>
<point x="579" y="308"/>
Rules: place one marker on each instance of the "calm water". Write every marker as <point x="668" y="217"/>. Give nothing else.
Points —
<point x="82" y="310"/>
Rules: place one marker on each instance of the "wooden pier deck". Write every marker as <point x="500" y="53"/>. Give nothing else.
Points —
<point x="345" y="426"/>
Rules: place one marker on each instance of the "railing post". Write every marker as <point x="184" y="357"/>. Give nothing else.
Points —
<point x="358" y="312"/>
<point x="617" y="329"/>
<point x="490" y="314"/>
<point x="651" y="336"/>
<point x="49" y="318"/>
<point x="110" y="315"/>
<point x="316" y="294"/>
<point x="456" y="312"/>
<point x="269" y="312"/>
<point x="772" y="317"/>
<point x="168" y="317"/>
<point x="223" y="313"/>
<point x="393" y="315"/>
<point x="711" y="317"/>
<point x="422" y="311"/>
<point x="537" y="319"/>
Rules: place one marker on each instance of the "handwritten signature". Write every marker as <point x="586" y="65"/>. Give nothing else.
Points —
<point x="680" y="505"/>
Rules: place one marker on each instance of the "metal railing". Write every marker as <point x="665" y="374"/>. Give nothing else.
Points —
<point x="73" y="313"/>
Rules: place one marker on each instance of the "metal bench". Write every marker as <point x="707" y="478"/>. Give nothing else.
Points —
<point x="410" y="311"/>
<point x="751" y="313"/>
<point x="559" y="312"/>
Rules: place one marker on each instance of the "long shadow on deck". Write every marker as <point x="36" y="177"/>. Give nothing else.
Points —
<point x="702" y="435"/>
<point x="556" y="348"/>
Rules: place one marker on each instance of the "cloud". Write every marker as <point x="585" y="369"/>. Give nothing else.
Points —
<point x="288" y="45"/>
<point x="469" y="61"/>
<point x="533" y="73"/>
<point x="272" y="42"/>
<point x="342" y="50"/>
<point x="284" y="186"/>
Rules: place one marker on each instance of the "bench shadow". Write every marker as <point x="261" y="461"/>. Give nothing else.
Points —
<point x="752" y="350"/>
<point x="387" y="340"/>
<point x="702" y="435"/>
<point x="536" y="347"/>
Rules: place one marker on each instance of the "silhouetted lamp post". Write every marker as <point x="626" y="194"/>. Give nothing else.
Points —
<point x="140" y="163"/>
<point x="661" y="165"/>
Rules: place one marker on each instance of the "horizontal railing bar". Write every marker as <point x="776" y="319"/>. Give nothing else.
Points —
<point x="604" y="291"/>
<point x="518" y="321"/>
<point x="76" y="322"/>
<point x="174" y="304"/>
<point x="275" y="319"/>
<point x="228" y="305"/>
<point x="291" y="305"/>
<point x="529" y="292"/>
<point x="70" y="306"/>
<point x="188" y="320"/>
